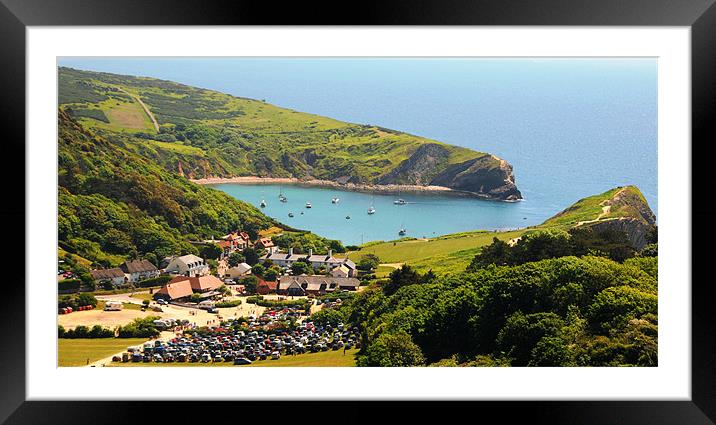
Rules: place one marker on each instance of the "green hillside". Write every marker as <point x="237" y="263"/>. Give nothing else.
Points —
<point x="454" y="252"/>
<point x="205" y="133"/>
<point x="114" y="203"/>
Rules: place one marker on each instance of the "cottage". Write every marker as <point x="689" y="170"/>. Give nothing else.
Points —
<point x="116" y="276"/>
<point x="138" y="270"/>
<point x="282" y="259"/>
<point x="236" y="241"/>
<point x="266" y="243"/>
<point x="317" y="285"/>
<point x="240" y="270"/>
<point x="341" y="271"/>
<point x="188" y="265"/>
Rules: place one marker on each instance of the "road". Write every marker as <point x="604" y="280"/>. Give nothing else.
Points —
<point x="146" y="109"/>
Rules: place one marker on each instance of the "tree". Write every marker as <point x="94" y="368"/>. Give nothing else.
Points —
<point x="258" y="270"/>
<point x="498" y="252"/>
<point x="393" y="350"/>
<point x="368" y="262"/>
<point x="251" y="256"/>
<point x="195" y="298"/>
<point x="301" y="266"/>
<point x="271" y="274"/>
<point x="210" y="251"/>
<point x="250" y="283"/>
<point x="403" y="276"/>
<point x="236" y="258"/>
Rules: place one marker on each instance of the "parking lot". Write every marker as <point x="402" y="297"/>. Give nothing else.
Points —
<point x="235" y="342"/>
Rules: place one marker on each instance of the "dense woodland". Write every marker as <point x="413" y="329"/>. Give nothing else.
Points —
<point x="564" y="310"/>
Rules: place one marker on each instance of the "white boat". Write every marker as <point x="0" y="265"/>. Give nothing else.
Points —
<point x="281" y="196"/>
<point x="371" y="210"/>
<point x="308" y="205"/>
<point x="400" y="201"/>
<point x="402" y="232"/>
<point x="263" y="204"/>
<point x="335" y="200"/>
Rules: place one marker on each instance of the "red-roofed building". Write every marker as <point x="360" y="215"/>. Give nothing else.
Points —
<point x="175" y="289"/>
<point x="265" y="287"/>
<point x="266" y="243"/>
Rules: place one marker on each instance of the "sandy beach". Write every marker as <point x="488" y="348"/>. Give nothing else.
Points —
<point x="387" y="188"/>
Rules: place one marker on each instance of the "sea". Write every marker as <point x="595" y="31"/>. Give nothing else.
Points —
<point x="571" y="128"/>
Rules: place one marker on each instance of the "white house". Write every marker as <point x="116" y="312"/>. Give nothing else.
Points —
<point x="240" y="270"/>
<point x="328" y="261"/>
<point x="115" y="275"/>
<point x="138" y="270"/>
<point x="188" y="265"/>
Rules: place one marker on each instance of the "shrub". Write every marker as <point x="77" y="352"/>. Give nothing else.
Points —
<point x="69" y="285"/>
<point x="226" y="304"/>
<point x="155" y="281"/>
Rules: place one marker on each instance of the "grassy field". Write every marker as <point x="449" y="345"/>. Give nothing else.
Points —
<point x="224" y="129"/>
<point x="454" y="252"/>
<point x="442" y="254"/>
<point x="320" y="359"/>
<point x="75" y="352"/>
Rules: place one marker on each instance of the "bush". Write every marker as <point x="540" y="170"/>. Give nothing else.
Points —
<point x="227" y="304"/>
<point x="69" y="285"/>
<point x="139" y="328"/>
<point x="155" y="281"/>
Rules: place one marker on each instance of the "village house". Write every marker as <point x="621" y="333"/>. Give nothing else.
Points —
<point x="266" y="243"/>
<point x="315" y="285"/>
<point x="176" y="289"/>
<point x="116" y="276"/>
<point x="188" y="265"/>
<point x="265" y="288"/>
<point x="236" y="241"/>
<point x="240" y="270"/>
<point x="137" y="270"/>
<point x="328" y="261"/>
<point x="342" y="271"/>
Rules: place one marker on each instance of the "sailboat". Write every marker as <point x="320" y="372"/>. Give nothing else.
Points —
<point x="371" y="209"/>
<point x="399" y="201"/>
<point x="281" y="196"/>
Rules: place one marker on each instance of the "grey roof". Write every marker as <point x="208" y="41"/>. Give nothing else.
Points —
<point x="106" y="273"/>
<point x="137" y="266"/>
<point x="314" y="282"/>
<point x="284" y="256"/>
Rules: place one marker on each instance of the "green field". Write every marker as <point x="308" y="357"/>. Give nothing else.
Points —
<point x="442" y="254"/>
<point x="216" y="134"/>
<point x="451" y="253"/>
<point x="76" y="352"/>
<point x="320" y="359"/>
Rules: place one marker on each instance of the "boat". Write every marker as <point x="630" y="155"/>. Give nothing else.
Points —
<point x="335" y="200"/>
<point x="290" y="214"/>
<point x="308" y="205"/>
<point x="263" y="203"/>
<point x="281" y="196"/>
<point x="400" y="201"/>
<point x="348" y="217"/>
<point x="402" y="232"/>
<point x="371" y="210"/>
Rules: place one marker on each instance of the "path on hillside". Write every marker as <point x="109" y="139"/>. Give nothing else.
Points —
<point x="146" y="109"/>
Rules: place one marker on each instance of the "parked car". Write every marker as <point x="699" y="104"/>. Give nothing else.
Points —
<point x="242" y="361"/>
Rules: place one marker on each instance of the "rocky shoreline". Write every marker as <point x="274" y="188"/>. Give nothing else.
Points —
<point x="369" y="188"/>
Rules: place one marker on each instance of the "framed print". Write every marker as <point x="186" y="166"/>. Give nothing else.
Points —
<point x="442" y="202"/>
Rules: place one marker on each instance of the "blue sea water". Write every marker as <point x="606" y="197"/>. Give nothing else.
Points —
<point x="570" y="127"/>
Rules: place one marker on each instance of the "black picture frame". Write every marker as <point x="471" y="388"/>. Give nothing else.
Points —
<point x="699" y="15"/>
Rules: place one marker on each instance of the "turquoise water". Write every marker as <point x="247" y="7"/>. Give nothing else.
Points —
<point x="425" y="215"/>
<point x="570" y="127"/>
